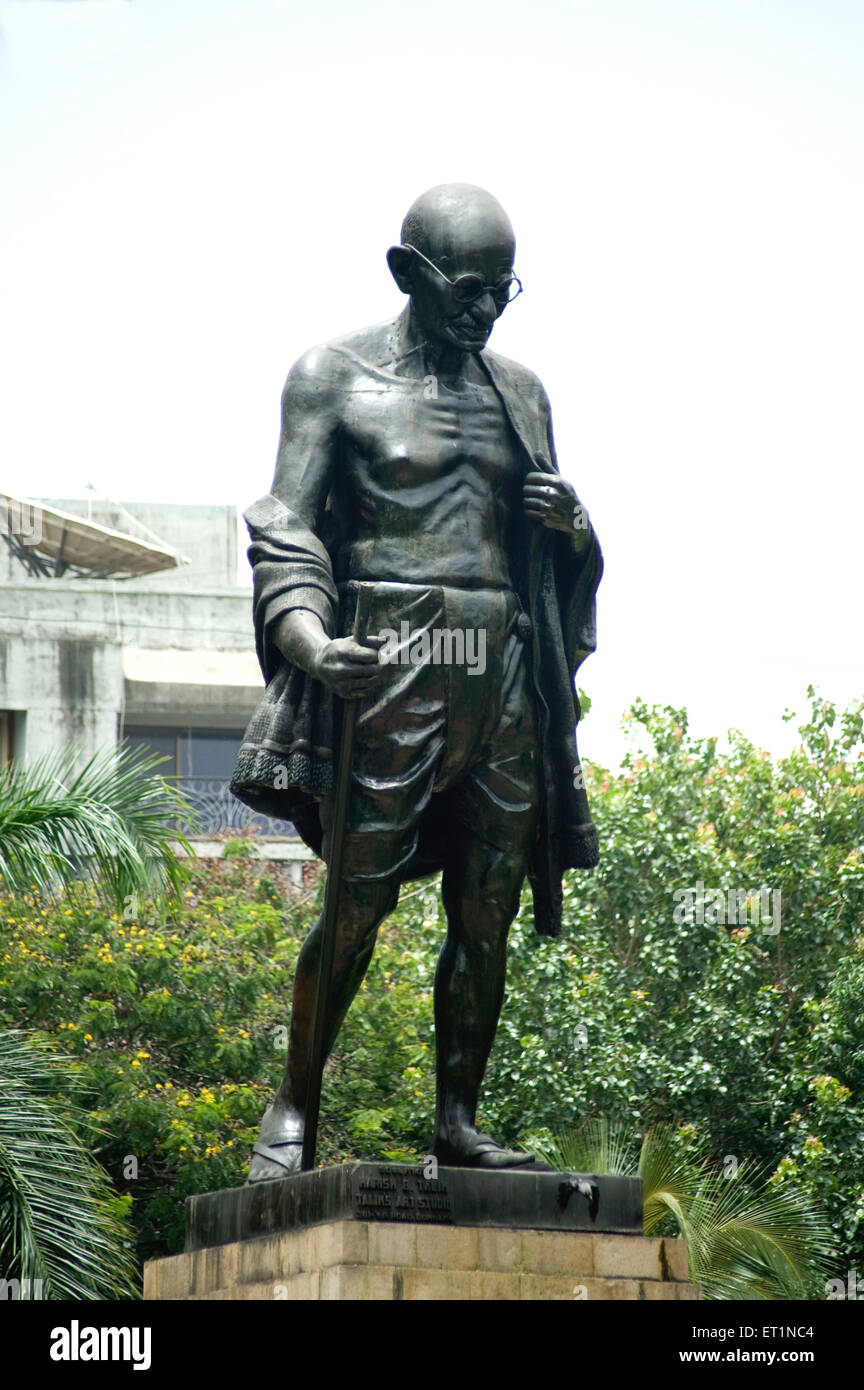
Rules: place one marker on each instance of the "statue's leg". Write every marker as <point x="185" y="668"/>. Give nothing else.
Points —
<point x="494" y="805"/>
<point x="481" y="888"/>
<point x="399" y="732"/>
<point x="362" y="908"/>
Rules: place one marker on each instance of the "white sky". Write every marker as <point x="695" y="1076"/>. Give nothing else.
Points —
<point x="193" y="192"/>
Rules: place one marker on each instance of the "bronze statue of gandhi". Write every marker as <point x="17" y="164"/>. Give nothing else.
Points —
<point x="414" y="462"/>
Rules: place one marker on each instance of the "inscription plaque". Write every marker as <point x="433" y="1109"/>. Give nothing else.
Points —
<point x="400" y="1194"/>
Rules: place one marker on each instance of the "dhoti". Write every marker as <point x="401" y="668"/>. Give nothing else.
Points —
<point x="450" y="728"/>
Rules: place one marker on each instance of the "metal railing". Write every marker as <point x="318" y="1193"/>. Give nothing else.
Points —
<point x="219" y="811"/>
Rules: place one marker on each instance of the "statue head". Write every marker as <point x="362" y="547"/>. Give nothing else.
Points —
<point x="452" y="231"/>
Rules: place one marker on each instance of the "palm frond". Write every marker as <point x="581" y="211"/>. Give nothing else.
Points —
<point x="746" y="1238"/>
<point x="597" y="1146"/>
<point x="110" y="819"/>
<point x="60" y="1227"/>
<point x="671" y="1174"/>
<point x="755" y="1235"/>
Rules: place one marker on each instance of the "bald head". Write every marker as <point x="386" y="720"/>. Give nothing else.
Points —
<point x="455" y="221"/>
<point x="464" y="234"/>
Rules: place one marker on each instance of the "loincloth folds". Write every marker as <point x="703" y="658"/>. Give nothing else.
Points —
<point x="450" y="731"/>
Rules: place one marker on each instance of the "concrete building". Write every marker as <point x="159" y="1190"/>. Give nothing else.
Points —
<point x="164" y="659"/>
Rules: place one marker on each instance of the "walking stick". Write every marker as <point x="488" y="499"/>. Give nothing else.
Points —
<point x="331" y="901"/>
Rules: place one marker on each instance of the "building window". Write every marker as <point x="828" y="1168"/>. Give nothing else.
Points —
<point x="200" y="763"/>
<point x="189" y="752"/>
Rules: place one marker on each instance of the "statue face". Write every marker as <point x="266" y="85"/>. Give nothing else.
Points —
<point x="484" y="251"/>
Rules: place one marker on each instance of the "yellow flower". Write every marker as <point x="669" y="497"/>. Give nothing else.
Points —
<point x="136" y="1063"/>
<point x="88" y="1037"/>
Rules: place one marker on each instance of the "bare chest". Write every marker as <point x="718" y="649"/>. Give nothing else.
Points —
<point x="418" y="433"/>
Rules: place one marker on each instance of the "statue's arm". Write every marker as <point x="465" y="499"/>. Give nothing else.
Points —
<point x="310" y="426"/>
<point x="304" y="466"/>
<point x="308" y="453"/>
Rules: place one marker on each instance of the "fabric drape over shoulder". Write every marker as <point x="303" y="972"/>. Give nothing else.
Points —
<point x="285" y="763"/>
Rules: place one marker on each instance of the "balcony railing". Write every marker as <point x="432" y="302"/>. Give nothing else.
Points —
<point x="219" y="811"/>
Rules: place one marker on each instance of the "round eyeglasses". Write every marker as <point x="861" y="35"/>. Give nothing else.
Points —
<point x="467" y="288"/>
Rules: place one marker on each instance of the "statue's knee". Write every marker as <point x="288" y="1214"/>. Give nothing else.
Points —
<point x="500" y="885"/>
<point x="483" y="898"/>
<point x="367" y="904"/>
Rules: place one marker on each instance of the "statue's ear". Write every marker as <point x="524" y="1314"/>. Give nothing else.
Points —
<point x="399" y="259"/>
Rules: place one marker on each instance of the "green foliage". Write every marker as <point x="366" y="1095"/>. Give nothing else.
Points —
<point x="177" y="1016"/>
<point x="172" y="1023"/>
<point x="745" y="1238"/>
<point x="723" y="1025"/>
<point x="108" y="819"/>
<point x="239" y="849"/>
<point x="594" y="1147"/>
<point x="63" y="1232"/>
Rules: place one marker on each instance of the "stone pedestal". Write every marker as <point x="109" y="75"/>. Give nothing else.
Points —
<point x="369" y="1231"/>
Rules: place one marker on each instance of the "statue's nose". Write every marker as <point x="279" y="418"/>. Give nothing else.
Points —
<point x="486" y="307"/>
